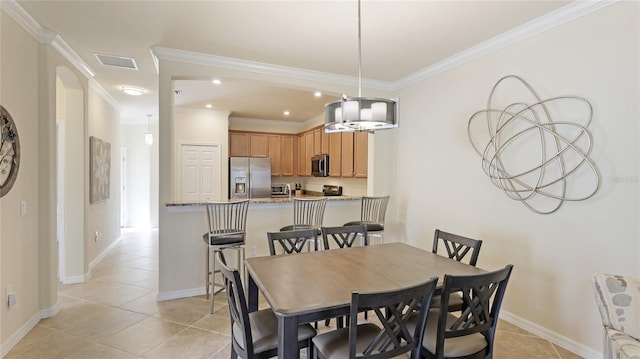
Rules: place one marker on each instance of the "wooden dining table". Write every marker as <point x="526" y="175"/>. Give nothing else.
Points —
<point x="309" y="287"/>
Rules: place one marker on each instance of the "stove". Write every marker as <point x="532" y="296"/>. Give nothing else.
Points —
<point x="329" y="190"/>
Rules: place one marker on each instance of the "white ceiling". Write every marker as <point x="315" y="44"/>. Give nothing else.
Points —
<point x="399" y="38"/>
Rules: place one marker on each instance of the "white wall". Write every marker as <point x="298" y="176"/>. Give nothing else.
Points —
<point x="439" y="182"/>
<point x="142" y="176"/>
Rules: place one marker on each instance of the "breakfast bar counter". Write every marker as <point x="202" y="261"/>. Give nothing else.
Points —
<point x="182" y="250"/>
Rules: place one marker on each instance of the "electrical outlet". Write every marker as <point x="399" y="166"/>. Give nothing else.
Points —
<point x="10" y="295"/>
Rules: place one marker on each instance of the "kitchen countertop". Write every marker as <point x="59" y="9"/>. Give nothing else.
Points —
<point x="269" y="200"/>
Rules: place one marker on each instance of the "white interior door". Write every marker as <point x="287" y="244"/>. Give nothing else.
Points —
<point x="200" y="172"/>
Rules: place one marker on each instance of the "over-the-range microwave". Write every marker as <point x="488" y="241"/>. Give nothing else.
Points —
<point x="320" y="166"/>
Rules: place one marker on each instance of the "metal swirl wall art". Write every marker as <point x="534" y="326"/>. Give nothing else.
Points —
<point x="530" y="155"/>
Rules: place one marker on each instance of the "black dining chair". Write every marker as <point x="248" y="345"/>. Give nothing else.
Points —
<point x="344" y="236"/>
<point x="255" y="334"/>
<point x="402" y="315"/>
<point x="293" y="241"/>
<point x="459" y="248"/>
<point x="469" y="335"/>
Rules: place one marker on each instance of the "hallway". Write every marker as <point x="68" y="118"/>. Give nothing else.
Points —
<point x="116" y="315"/>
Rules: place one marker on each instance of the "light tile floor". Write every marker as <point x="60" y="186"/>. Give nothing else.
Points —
<point x="116" y="315"/>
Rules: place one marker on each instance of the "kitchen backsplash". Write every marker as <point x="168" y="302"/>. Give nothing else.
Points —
<point x="350" y="186"/>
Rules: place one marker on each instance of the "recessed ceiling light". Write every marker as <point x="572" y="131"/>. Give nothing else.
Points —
<point x="216" y="81"/>
<point x="133" y="91"/>
<point x="286" y="113"/>
<point x="317" y="94"/>
<point x="208" y="105"/>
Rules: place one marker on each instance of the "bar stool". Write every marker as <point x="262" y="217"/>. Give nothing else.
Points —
<point x="307" y="213"/>
<point x="227" y="230"/>
<point x="372" y="213"/>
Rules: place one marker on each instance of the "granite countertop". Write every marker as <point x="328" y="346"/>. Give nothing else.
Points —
<point x="271" y="200"/>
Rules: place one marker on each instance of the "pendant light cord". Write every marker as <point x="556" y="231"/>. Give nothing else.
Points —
<point x="359" y="53"/>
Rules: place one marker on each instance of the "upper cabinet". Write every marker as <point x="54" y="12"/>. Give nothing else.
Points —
<point x="239" y="144"/>
<point x="291" y="154"/>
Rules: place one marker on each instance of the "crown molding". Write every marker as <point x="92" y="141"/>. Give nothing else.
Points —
<point x="561" y="16"/>
<point x="230" y="63"/>
<point x="104" y="94"/>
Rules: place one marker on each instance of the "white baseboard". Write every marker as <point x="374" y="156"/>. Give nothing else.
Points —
<point x="183" y="293"/>
<point x="92" y="264"/>
<point x="15" y="338"/>
<point x="555" y="338"/>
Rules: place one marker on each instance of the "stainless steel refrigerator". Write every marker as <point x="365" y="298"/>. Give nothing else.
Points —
<point x="249" y="177"/>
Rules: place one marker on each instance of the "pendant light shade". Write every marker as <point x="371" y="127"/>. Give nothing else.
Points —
<point x="360" y="113"/>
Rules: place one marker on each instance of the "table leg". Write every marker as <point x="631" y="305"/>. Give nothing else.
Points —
<point x="288" y="337"/>
<point x="252" y="296"/>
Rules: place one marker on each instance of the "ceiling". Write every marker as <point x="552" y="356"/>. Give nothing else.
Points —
<point x="399" y="38"/>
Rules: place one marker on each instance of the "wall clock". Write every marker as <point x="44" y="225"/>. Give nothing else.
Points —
<point x="9" y="152"/>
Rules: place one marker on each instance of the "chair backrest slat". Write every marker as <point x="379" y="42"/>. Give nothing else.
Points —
<point x="344" y="236"/>
<point x="226" y="217"/>
<point x="241" y="337"/>
<point x="373" y="209"/>
<point x="457" y="247"/>
<point x="482" y="296"/>
<point x="308" y="213"/>
<point x="395" y="310"/>
<point x="290" y="242"/>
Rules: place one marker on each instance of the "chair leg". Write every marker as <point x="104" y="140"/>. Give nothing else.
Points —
<point x="213" y="281"/>
<point x="208" y="272"/>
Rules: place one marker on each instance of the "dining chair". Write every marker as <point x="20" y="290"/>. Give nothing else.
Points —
<point x="395" y="310"/>
<point x="227" y="230"/>
<point x="255" y="334"/>
<point x="307" y="213"/>
<point x="469" y="335"/>
<point x="456" y="247"/>
<point x="372" y="213"/>
<point x="291" y="242"/>
<point x="344" y="236"/>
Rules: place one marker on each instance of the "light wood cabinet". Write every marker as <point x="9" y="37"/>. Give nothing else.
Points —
<point x="301" y="155"/>
<point x="275" y="154"/>
<point x="291" y="154"/>
<point x="317" y="142"/>
<point x="335" y="153"/>
<point x="288" y="155"/>
<point x="259" y="145"/>
<point x="347" y="154"/>
<point x="360" y="154"/>
<point x="324" y="139"/>
<point x="239" y="144"/>
<point x="309" y="152"/>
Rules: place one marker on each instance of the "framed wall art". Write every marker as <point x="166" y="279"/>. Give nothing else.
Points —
<point x="9" y="152"/>
<point x="100" y="169"/>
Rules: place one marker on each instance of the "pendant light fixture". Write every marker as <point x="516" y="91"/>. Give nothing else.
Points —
<point x="360" y="113"/>
<point x="148" y="137"/>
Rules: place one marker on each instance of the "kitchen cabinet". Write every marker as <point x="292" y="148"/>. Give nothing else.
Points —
<point x="309" y="152"/>
<point x="326" y="142"/>
<point x="360" y="154"/>
<point x="259" y="145"/>
<point x="346" y="157"/>
<point x="301" y="155"/>
<point x="354" y="154"/>
<point x="288" y="147"/>
<point x="275" y="154"/>
<point x="239" y="143"/>
<point x="334" y="143"/>
<point x="317" y="142"/>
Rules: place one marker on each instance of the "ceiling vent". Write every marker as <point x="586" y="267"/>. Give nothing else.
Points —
<point x="117" y="61"/>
